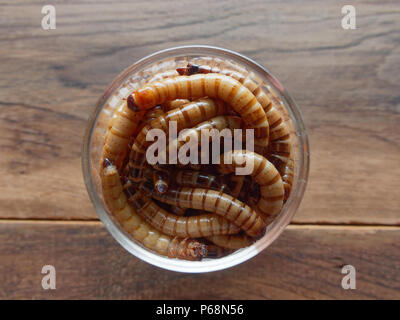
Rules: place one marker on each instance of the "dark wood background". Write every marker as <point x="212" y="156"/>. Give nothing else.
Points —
<point x="345" y="81"/>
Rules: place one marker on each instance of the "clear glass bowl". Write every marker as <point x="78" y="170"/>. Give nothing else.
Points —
<point x="133" y="78"/>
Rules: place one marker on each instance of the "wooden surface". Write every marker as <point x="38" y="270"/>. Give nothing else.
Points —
<point x="304" y="263"/>
<point x="345" y="81"/>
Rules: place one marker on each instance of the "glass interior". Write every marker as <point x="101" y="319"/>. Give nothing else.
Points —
<point x="147" y="69"/>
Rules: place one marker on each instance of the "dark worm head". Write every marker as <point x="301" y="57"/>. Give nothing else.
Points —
<point x="198" y="250"/>
<point x="189" y="69"/>
<point x="107" y="162"/>
<point x="161" y="187"/>
<point x="132" y="104"/>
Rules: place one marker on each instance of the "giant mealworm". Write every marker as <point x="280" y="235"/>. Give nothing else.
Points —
<point x="228" y="211"/>
<point x="116" y="200"/>
<point x="185" y="116"/>
<point x="189" y="178"/>
<point x="279" y="132"/>
<point x="173" y="104"/>
<point x="202" y="225"/>
<point x="235" y="241"/>
<point x="152" y="114"/>
<point x="218" y="123"/>
<point x="212" y="85"/>
<point x="213" y="201"/>
<point x="120" y="128"/>
<point x="264" y="173"/>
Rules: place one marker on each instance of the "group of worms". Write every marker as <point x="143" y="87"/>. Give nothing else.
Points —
<point x="195" y="211"/>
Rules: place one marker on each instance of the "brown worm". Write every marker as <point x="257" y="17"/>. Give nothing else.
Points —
<point x="141" y="231"/>
<point x="287" y="177"/>
<point x="264" y="173"/>
<point x="185" y="116"/>
<point x="215" y="251"/>
<point x="178" y="210"/>
<point x="152" y="114"/>
<point x="173" y="104"/>
<point x="232" y="241"/>
<point x="279" y="143"/>
<point x="212" y="85"/>
<point x="218" y="123"/>
<point x="202" y="225"/>
<point x="285" y="166"/>
<point x="120" y="128"/>
<point x="198" y="179"/>
<point x="213" y="201"/>
<point x="163" y="75"/>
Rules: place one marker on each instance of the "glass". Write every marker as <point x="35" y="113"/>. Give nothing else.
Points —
<point x="135" y="77"/>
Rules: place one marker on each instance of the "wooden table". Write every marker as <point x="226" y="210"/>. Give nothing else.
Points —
<point x="345" y="81"/>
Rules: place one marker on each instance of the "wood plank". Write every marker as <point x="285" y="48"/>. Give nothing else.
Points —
<point x="345" y="81"/>
<point x="304" y="263"/>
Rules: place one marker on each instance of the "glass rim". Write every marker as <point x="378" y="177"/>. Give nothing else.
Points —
<point x="239" y="256"/>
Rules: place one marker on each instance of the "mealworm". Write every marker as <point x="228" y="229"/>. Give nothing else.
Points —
<point x="212" y="85"/>
<point x="216" y="251"/>
<point x="137" y="164"/>
<point x="236" y="184"/>
<point x="139" y="169"/>
<point x="213" y="201"/>
<point x="231" y="241"/>
<point x="287" y="177"/>
<point x="266" y="98"/>
<point x="152" y="114"/>
<point x="185" y="116"/>
<point x="279" y="131"/>
<point x="264" y="173"/>
<point x="178" y="210"/>
<point x="285" y="166"/>
<point x="163" y="75"/>
<point x="189" y="178"/>
<point x="218" y="123"/>
<point x="173" y="104"/>
<point x="141" y="231"/>
<point x="202" y="225"/>
<point x="121" y="127"/>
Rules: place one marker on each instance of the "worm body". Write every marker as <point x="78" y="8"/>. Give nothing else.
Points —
<point x="178" y="210"/>
<point x="152" y="114"/>
<point x="287" y="177"/>
<point x="193" y="179"/>
<point x="173" y="104"/>
<point x="192" y="210"/>
<point x="264" y="173"/>
<point x="212" y="85"/>
<point x="231" y="241"/>
<point x="213" y="201"/>
<point x="120" y="128"/>
<point x="269" y="101"/>
<point x="116" y="200"/>
<point x="218" y="123"/>
<point x="202" y="225"/>
<point x="186" y="116"/>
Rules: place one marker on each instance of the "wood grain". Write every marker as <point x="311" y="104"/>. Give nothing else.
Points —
<point x="304" y="263"/>
<point x="345" y="81"/>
